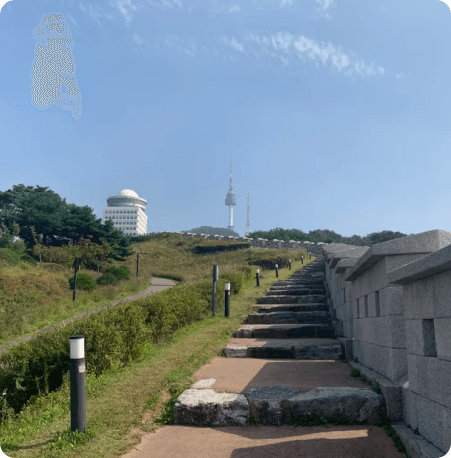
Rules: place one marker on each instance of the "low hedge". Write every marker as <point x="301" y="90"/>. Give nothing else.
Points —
<point x="10" y="256"/>
<point x="107" y="279"/>
<point x="120" y="272"/>
<point x="84" y="282"/>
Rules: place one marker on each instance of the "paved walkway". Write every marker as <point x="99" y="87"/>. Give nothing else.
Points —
<point x="157" y="285"/>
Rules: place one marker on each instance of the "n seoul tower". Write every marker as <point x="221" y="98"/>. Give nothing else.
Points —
<point x="230" y="200"/>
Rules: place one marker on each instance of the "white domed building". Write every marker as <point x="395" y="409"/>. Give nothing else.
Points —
<point x="127" y="212"/>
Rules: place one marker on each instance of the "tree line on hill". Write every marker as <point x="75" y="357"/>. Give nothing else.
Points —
<point x="43" y="221"/>
<point x="326" y="236"/>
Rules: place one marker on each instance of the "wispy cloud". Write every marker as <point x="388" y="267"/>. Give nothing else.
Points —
<point x="137" y="39"/>
<point x="125" y="8"/>
<point x="324" y="4"/>
<point x="94" y="13"/>
<point x="235" y="8"/>
<point x="181" y="45"/>
<point x="166" y="4"/>
<point x="232" y="43"/>
<point x="287" y="48"/>
<point x="274" y="3"/>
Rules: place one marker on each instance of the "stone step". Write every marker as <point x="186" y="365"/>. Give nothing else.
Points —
<point x="311" y="281"/>
<point x="308" y="275"/>
<point x="276" y="405"/>
<point x="304" y="348"/>
<point x="287" y="299"/>
<point x="285" y="331"/>
<point x="311" y="317"/>
<point x="297" y="291"/>
<point x="291" y="308"/>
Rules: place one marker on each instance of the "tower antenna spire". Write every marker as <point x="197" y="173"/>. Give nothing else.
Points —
<point x="230" y="199"/>
<point x="248" y="226"/>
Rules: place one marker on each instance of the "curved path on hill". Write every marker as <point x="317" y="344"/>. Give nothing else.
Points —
<point x="157" y="285"/>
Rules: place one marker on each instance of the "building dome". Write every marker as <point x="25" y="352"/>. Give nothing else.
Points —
<point x="127" y="193"/>
<point x="127" y="198"/>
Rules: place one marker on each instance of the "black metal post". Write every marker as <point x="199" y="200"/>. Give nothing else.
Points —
<point x="302" y="259"/>
<point x="227" y="299"/>
<point x="215" y="277"/>
<point x="277" y="270"/>
<point x="77" y="384"/>
<point x="258" y="277"/>
<point x="137" y="262"/>
<point x="289" y="264"/>
<point x="75" y="279"/>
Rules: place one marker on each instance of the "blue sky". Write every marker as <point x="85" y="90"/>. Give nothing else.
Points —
<point x="335" y="113"/>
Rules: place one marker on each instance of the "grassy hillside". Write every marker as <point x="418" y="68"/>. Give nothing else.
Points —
<point x="153" y="380"/>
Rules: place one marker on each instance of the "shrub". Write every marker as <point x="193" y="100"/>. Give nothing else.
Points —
<point x="107" y="279"/>
<point x="121" y="272"/>
<point x="10" y="256"/>
<point x="28" y="259"/>
<point x="84" y="281"/>
<point x="235" y="279"/>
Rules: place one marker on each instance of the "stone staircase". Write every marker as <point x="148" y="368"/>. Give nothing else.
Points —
<point x="292" y="322"/>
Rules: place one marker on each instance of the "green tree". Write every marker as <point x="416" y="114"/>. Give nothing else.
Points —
<point x="57" y="221"/>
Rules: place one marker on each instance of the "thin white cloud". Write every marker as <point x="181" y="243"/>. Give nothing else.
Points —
<point x="324" y="4"/>
<point x="273" y="3"/>
<point x="166" y="4"/>
<point x="137" y="39"/>
<point x="235" y="8"/>
<point x="71" y="19"/>
<point x="183" y="46"/>
<point x="287" y="47"/>
<point x="94" y="13"/>
<point x="125" y="8"/>
<point x="232" y="43"/>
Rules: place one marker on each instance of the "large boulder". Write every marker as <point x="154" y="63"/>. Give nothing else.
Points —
<point x="208" y="408"/>
<point x="359" y="404"/>
<point x="265" y="403"/>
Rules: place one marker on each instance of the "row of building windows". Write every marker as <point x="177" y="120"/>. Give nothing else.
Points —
<point x="121" y="212"/>
<point x="117" y="217"/>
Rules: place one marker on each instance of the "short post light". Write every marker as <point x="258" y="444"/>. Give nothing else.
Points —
<point x="215" y="278"/>
<point x="258" y="277"/>
<point x="302" y="259"/>
<point x="227" y="300"/>
<point x="77" y="383"/>
<point x="75" y="278"/>
<point x="277" y="270"/>
<point x="289" y="264"/>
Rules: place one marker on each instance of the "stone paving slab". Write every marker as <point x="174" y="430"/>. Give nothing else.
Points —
<point x="236" y="375"/>
<point x="301" y="348"/>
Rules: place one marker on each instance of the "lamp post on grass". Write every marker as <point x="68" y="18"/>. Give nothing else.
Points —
<point x="227" y="299"/>
<point x="215" y="278"/>
<point x="137" y="262"/>
<point x="77" y="384"/>
<point x="76" y="267"/>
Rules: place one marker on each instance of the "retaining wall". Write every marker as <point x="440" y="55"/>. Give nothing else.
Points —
<point x="391" y="309"/>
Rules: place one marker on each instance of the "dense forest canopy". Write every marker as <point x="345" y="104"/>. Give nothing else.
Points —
<point x="56" y="221"/>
